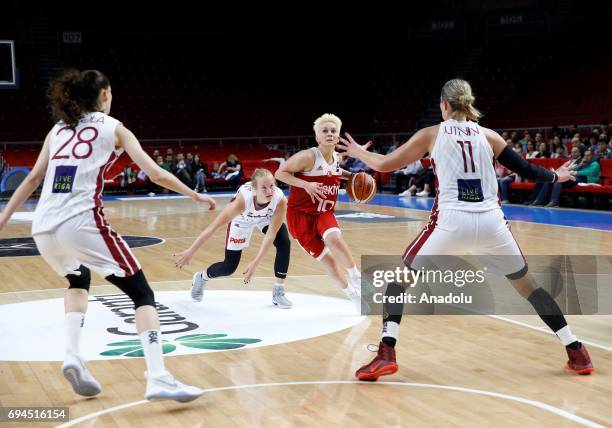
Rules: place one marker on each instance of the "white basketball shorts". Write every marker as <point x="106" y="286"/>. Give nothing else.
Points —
<point x="238" y="235"/>
<point x="87" y="239"/>
<point x="453" y="232"/>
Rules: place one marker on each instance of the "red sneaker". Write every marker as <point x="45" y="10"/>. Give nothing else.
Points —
<point x="382" y="365"/>
<point x="579" y="360"/>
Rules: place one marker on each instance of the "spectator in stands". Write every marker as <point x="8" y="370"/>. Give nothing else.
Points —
<point x="603" y="126"/>
<point x="217" y="171"/>
<point x="519" y="149"/>
<point x="171" y="161"/>
<point x="358" y="166"/>
<point x="531" y="151"/>
<point x="189" y="161"/>
<point x="539" y="194"/>
<point x="538" y="139"/>
<point x="393" y="147"/>
<point x="155" y="154"/>
<point x="234" y="170"/>
<point x="525" y="140"/>
<point x="576" y="143"/>
<point x="405" y="178"/>
<point x="592" y="142"/>
<point x="199" y="169"/>
<point x="543" y="150"/>
<point x="505" y="135"/>
<point x="602" y="151"/>
<point x="504" y="178"/>
<point x="182" y="170"/>
<point x="559" y="152"/>
<point x="160" y="162"/>
<point x="509" y="142"/>
<point x="128" y="178"/>
<point x="514" y="137"/>
<point x="587" y="171"/>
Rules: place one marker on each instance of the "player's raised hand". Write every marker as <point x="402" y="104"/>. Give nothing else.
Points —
<point x="565" y="174"/>
<point x="250" y="271"/>
<point x="315" y="191"/>
<point x="351" y="147"/>
<point x="183" y="258"/>
<point x="205" y="198"/>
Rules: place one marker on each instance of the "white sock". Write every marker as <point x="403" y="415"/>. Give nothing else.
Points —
<point x="566" y="336"/>
<point x="205" y="275"/>
<point x="353" y="271"/>
<point x="279" y="285"/>
<point x="390" y="329"/>
<point x="74" y="322"/>
<point x="152" y="347"/>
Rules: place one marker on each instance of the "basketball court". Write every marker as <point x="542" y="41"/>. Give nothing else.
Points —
<point x="263" y="366"/>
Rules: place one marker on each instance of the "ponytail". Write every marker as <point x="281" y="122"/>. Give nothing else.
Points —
<point x="74" y="93"/>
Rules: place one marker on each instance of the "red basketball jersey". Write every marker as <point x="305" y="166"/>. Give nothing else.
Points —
<point x="324" y="173"/>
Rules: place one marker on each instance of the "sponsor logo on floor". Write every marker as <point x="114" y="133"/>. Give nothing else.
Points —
<point x="225" y="320"/>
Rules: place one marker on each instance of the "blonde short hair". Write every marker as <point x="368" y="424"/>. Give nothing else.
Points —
<point x="327" y="117"/>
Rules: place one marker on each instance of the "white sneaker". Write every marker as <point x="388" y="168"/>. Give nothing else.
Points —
<point x="75" y="372"/>
<point x="279" y="299"/>
<point x="198" y="284"/>
<point x="165" y="387"/>
<point x="151" y="193"/>
<point x="355" y="297"/>
<point x="423" y="194"/>
<point x="405" y="193"/>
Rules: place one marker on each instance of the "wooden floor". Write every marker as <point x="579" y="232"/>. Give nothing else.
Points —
<point x="454" y="371"/>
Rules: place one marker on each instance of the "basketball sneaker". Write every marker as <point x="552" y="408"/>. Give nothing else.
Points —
<point x="382" y="365"/>
<point x="75" y="372"/>
<point x="579" y="360"/>
<point x="354" y="292"/>
<point x="165" y="387"/>
<point x="279" y="299"/>
<point x="198" y="284"/>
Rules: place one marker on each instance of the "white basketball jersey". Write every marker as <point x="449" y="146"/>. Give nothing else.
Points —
<point x="78" y="159"/>
<point x="321" y="167"/>
<point x="251" y="215"/>
<point x="463" y="162"/>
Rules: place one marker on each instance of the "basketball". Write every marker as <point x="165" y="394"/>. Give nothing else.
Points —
<point x="361" y="187"/>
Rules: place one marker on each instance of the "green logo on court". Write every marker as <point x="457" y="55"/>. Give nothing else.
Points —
<point x="133" y="348"/>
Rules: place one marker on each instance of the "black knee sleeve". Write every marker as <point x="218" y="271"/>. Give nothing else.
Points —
<point x="283" y="251"/>
<point x="136" y="287"/>
<point x="227" y="266"/>
<point x="547" y="309"/>
<point x="82" y="281"/>
<point x="393" y="311"/>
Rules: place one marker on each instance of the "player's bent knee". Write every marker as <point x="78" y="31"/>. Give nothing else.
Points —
<point x="136" y="287"/>
<point x="82" y="281"/>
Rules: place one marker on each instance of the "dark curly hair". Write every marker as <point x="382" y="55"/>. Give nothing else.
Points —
<point x="75" y="92"/>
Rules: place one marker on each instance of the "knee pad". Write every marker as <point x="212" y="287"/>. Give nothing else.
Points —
<point x="519" y="274"/>
<point x="136" y="287"/>
<point x="81" y="281"/>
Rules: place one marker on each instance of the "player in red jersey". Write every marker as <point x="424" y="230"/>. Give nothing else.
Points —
<point x="314" y="176"/>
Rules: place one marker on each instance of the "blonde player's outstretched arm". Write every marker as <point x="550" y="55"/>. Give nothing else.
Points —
<point x="28" y="185"/>
<point x="227" y="214"/>
<point x="275" y="224"/>
<point x="299" y="162"/>
<point x="157" y="174"/>
<point x="411" y="151"/>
